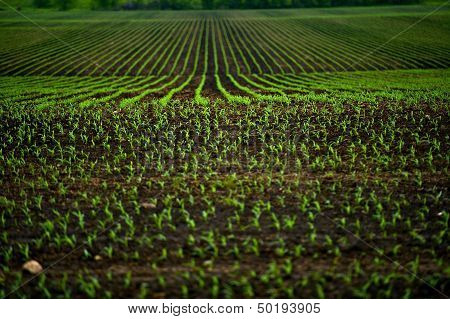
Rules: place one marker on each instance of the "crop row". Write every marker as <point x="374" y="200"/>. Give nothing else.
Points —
<point x="44" y="91"/>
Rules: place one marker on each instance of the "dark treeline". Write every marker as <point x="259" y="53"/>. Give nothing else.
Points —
<point x="208" y="4"/>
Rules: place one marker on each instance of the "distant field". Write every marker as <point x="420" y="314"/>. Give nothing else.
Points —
<point x="233" y="55"/>
<point x="225" y="154"/>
